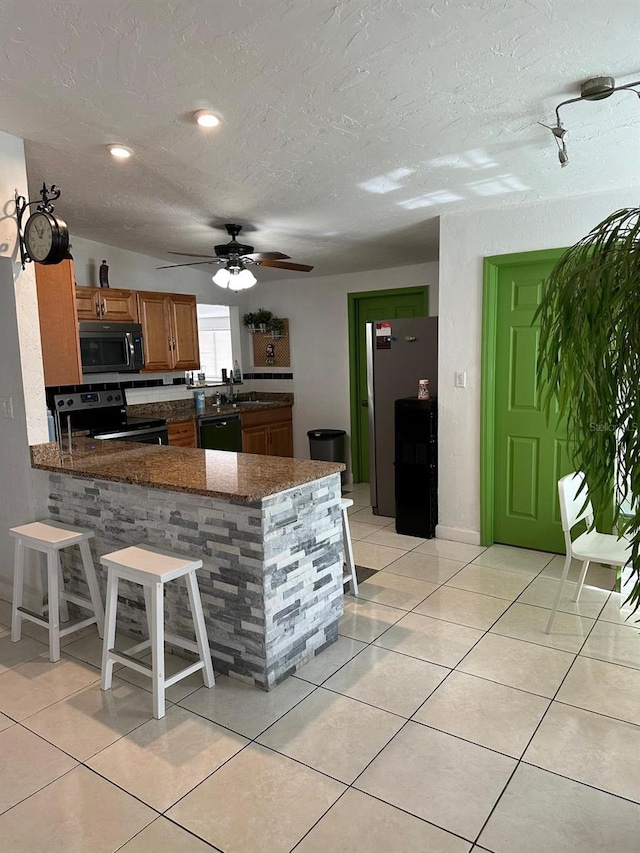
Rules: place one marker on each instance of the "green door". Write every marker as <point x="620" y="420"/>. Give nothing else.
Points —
<point x="529" y="456"/>
<point x="368" y="308"/>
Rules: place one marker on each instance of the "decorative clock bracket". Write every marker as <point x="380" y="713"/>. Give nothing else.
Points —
<point x="46" y="206"/>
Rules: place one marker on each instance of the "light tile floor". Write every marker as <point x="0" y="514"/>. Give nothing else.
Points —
<point x="443" y="720"/>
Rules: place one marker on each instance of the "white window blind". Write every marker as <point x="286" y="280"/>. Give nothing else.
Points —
<point x="214" y="331"/>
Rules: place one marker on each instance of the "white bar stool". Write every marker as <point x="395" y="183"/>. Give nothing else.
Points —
<point x="152" y="568"/>
<point x="50" y="537"/>
<point x="350" y="574"/>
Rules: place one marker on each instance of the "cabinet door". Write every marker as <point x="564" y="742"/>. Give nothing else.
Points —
<point x="280" y="439"/>
<point x="58" y="324"/>
<point x="184" y="325"/>
<point x="154" y="317"/>
<point x="118" y="306"/>
<point x="182" y="434"/>
<point x="255" y="440"/>
<point x="87" y="303"/>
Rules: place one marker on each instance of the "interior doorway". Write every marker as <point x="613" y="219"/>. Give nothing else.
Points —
<point x="522" y="457"/>
<point x="367" y="307"/>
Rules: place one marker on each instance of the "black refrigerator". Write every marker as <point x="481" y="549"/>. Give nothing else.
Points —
<point x="416" y="467"/>
<point x="399" y="353"/>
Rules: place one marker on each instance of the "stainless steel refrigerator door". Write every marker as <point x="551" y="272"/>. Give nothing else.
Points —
<point x="391" y="374"/>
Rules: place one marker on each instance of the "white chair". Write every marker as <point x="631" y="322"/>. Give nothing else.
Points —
<point x="152" y="568"/>
<point x="590" y="546"/>
<point x="49" y="538"/>
<point x="349" y="577"/>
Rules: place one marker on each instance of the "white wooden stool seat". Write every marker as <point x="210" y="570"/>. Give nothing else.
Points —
<point x="50" y="537"/>
<point x="152" y="568"/>
<point x="349" y="576"/>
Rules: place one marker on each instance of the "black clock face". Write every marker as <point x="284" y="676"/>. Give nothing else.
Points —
<point x="46" y="238"/>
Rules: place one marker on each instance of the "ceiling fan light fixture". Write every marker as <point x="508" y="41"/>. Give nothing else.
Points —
<point x="120" y="152"/>
<point x="221" y="278"/>
<point x="206" y="118"/>
<point x="243" y="280"/>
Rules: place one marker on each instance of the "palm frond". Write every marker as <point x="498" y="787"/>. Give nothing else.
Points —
<point x="589" y="364"/>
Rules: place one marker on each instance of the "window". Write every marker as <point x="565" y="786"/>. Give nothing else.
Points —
<point x="214" y="331"/>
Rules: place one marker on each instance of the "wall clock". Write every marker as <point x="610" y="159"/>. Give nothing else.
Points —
<point x="45" y="238"/>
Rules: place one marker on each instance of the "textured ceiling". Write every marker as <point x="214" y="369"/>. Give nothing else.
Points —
<point x="348" y="127"/>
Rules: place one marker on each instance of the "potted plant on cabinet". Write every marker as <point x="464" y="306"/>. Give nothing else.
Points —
<point x="590" y="364"/>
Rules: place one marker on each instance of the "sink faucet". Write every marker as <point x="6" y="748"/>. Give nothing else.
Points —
<point x="230" y="383"/>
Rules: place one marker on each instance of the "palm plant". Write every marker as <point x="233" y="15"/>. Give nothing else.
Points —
<point x="590" y="364"/>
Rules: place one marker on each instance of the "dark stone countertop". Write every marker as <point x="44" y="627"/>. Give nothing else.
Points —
<point x="241" y="477"/>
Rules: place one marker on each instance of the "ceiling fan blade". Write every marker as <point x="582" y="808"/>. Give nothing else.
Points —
<point x="286" y="265"/>
<point x="192" y="264"/>
<point x="267" y="256"/>
<point x="191" y="255"/>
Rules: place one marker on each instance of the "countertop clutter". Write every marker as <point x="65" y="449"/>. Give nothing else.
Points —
<point x="238" y="477"/>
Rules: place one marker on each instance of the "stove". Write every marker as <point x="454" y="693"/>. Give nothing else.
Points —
<point x="102" y="415"/>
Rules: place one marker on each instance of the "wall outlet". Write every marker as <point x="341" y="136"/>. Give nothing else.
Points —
<point x="6" y="407"/>
<point x="461" y="378"/>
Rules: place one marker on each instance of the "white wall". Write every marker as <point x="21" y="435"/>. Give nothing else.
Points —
<point x="464" y="241"/>
<point x="319" y="337"/>
<point x="135" y="271"/>
<point x="21" y="377"/>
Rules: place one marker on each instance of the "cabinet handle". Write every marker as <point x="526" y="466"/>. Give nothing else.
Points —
<point x="98" y="308"/>
<point x="104" y="307"/>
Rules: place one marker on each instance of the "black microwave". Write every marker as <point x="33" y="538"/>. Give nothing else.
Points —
<point x="111" y="347"/>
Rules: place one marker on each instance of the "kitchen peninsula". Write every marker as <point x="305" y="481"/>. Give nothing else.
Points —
<point x="268" y="530"/>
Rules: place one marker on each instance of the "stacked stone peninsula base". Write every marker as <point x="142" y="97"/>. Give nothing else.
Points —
<point x="271" y="584"/>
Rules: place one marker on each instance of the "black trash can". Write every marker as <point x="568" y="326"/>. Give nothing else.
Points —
<point x="328" y="445"/>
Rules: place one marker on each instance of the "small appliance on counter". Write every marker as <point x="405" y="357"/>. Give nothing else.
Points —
<point x="111" y="347"/>
<point x="102" y="414"/>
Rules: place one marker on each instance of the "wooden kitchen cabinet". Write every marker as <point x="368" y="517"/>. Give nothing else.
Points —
<point x="268" y="432"/>
<point x="281" y="438"/>
<point x="58" y="324"/>
<point x="170" y="330"/>
<point x="255" y="440"/>
<point x="107" y="303"/>
<point x="183" y="434"/>
<point x="183" y="318"/>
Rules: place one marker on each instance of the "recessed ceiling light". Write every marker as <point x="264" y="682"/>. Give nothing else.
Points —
<point x="119" y="151"/>
<point x="206" y="118"/>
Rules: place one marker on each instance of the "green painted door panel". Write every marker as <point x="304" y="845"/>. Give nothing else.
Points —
<point x="529" y="455"/>
<point x="389" y="305"/>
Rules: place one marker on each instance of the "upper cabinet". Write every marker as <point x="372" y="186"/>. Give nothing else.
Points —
<point x="102" y="303"/>
<point x="58" y="324"/>
<point x="170" y="330"/>
<point x="184" y="323"/>
<point x="169" y="323"/>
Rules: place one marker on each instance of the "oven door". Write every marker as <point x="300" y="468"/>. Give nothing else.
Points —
<point x="153" y="435"/>
<point x="110" y="350"/>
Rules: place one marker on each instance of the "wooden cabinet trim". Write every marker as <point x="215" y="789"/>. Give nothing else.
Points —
<point x="266" y="416"/>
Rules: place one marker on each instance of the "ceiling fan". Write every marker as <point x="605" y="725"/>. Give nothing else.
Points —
<point x="236" y="257"/>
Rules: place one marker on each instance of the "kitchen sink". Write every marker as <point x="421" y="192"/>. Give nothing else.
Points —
<point x="240" y="403"/>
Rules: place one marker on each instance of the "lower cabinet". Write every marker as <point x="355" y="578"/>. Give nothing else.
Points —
<point x="268" y="432"/>
<point x="182" y="434"/>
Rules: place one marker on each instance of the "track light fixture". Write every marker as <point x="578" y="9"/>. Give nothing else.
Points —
<point x="594" y="89"/>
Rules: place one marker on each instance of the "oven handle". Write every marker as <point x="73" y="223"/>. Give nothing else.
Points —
<point x="130" y="432"/>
